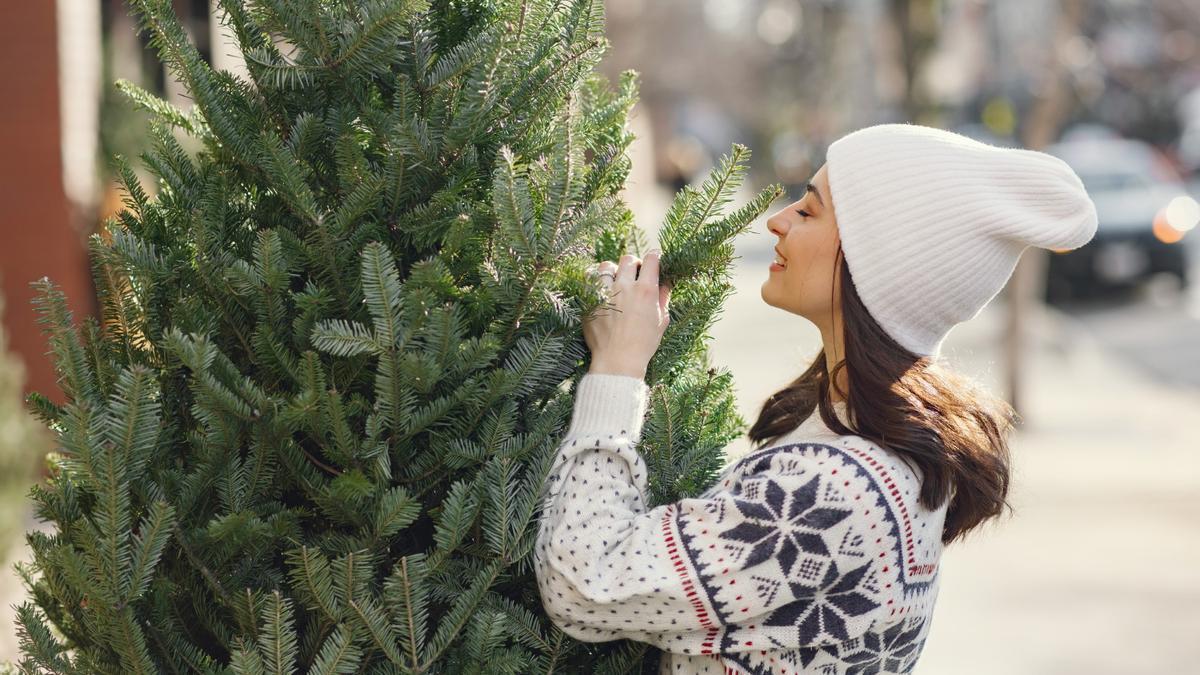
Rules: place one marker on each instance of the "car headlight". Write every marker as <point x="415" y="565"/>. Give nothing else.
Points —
<point x="1179" y="216"/>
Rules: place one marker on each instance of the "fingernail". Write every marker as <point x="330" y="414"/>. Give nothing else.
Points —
<point x="655" y="252"/>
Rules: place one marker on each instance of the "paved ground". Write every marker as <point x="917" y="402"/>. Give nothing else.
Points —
<point x="1098" y="571"/>
<point x="1155" y="327"/>
<point x="11" y="592"/>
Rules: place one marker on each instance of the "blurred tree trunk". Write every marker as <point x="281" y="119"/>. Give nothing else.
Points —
<point x="1043" y="125"/>
<point x="915" y="24"/>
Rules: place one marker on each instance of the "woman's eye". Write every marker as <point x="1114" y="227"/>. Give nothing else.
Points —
<point x="804" y="213"/>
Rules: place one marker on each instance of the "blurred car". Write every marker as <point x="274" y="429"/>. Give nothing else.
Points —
<point x="1138" y="237"/>
<point x="1188" y="148"/>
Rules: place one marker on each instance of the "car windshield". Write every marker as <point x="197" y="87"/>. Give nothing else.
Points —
<point x="1105" y="181"/>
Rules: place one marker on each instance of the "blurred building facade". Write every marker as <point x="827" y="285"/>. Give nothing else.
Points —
<point x="788" y="77"/>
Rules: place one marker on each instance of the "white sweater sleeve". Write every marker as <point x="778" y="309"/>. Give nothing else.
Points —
<point x="609" y="568"/>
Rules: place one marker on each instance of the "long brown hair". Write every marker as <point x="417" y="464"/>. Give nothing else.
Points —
<point x="951" y="429"/>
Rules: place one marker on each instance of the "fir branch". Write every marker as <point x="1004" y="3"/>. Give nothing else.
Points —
<point x="309" y="570"/>
<point x="148" y="543"/>
<point x="345" y="338"/>
<point x="205" y="572"/>
<point x="414" y="620"/>
<point x="77" y="378"/>
<point x="373" y="620"/>
<point x="547" y="84"/>
<point x="380" y="32"/>
<point x="41" y="651"/>
<point x="458" y="615"/>
<point x="555" y="650"/>
<point x="277" y="640"/>
<point x="161" y="109"/>
<point x="338" y="655"/>
<point x="461" y="58"/>
<point x="381" y="288"/>
<point x="130" y="643"/>
<point x="395" y="511"/>
<point x="716" y="186"/>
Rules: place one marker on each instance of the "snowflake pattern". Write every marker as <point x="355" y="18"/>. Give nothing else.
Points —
<point x="892" y="650"/>
<point x="895" y="650"/>
<point x="791" y="523"/>
<point x="782" y="525"/>
<point x="826" y="613"/>
<point x="787" y="526"/>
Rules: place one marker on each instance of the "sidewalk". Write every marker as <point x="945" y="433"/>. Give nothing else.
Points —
<point x="1095" y="572"/>
<point x="12" y="593"/>
<point x="1098" y="570"/>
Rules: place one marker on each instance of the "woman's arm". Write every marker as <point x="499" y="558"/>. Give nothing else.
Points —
<point x="610" y="568"/>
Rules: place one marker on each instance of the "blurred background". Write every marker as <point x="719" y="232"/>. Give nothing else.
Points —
<point x="1098" y="570"/>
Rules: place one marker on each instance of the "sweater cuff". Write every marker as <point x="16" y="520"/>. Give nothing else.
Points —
<point x="609" y="404"/>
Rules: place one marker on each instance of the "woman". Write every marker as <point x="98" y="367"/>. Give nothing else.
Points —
<point x="818" y="551"/>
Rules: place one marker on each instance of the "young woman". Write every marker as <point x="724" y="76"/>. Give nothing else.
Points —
<point x="818" y="551"/>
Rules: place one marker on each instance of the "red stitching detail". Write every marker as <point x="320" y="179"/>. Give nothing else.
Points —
<point x="888" y="482"/>
<point x="681" y="570"/>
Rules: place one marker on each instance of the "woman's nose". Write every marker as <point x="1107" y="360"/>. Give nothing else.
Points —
<point x="777" y="226"/>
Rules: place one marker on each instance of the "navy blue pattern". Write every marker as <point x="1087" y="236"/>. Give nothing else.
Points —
<point x="782" y="526"/>
<point x="895" y="649"/>
<point x="786" y="526"/>
<point x="759" y="462"/>
<point x="768" y="524"/>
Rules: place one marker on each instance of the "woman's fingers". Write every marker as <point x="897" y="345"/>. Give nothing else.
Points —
<point x="648" y="275"/>
<point x="606" y="271"/>
<point x="627" y="269"/>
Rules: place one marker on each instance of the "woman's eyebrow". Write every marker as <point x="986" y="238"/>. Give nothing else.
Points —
<point x="809" y="187"/>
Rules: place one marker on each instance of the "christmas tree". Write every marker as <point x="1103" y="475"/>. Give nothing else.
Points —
<point x="337" y="349"/>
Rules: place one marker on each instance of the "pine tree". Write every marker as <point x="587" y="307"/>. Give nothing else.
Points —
<point x="338" y="347"/>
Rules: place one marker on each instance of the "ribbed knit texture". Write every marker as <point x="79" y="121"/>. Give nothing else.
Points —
<point x="932" y="223"/>
<point x="812" y="555"/>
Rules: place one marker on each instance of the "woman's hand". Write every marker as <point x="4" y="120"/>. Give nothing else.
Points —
<point x="624" y="335"/>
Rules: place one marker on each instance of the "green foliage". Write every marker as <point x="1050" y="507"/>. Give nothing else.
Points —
<point x="337" y="348"/>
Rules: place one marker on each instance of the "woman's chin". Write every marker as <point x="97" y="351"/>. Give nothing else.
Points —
<point x="767" y="293"/>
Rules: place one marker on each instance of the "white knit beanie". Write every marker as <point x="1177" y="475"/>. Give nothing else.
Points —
<point x="932" y="223"/>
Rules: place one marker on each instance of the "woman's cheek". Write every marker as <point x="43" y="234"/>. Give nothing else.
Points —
<point x="796" y="267"/>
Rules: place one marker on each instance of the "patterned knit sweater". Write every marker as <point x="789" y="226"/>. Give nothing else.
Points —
<point x="812" y="555"/>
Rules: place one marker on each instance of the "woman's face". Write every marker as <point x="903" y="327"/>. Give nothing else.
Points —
<point x="807" y="242"/>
